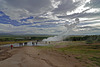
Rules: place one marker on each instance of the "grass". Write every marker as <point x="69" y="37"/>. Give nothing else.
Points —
<point x="84" y="52"/>
<point x="96" y="60"/>
<point x="76" y="48"/>
<point x="81" y="51"/>
<point x="68" y="43"/>
<point x="78" y="57"/>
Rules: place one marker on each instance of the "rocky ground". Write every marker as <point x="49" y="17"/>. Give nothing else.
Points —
<point x="34" y="57"/>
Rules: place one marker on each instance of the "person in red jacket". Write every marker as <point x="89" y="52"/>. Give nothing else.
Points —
<point x="11" y="46"/>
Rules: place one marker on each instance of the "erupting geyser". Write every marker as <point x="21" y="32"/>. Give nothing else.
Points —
<point x="64" y="34"/>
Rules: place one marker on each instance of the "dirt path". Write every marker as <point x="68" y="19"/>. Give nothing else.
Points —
<point x="33" y="57"/>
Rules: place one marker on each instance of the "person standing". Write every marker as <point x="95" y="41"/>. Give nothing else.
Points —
<point x="36" y="43"/>
<point x="49" y="42"/>
<point x="33" y="43"/>
<point x="11" y="46"/>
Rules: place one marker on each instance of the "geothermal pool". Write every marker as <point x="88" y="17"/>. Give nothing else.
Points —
<point x="28" y="44"/>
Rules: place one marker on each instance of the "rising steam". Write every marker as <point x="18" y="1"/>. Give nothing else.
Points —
<point x="62" y="36"/>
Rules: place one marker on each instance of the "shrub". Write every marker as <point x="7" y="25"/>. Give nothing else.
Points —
<point x="89" y="41"/>
<point x="98" y="39"/>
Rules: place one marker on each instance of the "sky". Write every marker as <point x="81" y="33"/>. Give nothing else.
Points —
<point x="49" y="16"/>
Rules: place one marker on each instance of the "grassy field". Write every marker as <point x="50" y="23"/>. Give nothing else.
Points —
<point x="89" y="54"/>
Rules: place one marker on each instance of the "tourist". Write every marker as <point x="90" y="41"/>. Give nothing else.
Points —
<point x="11" y="46"/>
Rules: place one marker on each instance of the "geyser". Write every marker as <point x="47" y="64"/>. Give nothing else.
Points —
<point x="63" y="35"/>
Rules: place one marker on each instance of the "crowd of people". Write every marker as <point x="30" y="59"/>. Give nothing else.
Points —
<point x="25" y="44"/>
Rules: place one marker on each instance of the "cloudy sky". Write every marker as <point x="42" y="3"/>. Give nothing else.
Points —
<point x="49" y="16"/>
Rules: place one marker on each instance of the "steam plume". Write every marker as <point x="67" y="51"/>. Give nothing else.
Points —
<point x="62" y="36"/>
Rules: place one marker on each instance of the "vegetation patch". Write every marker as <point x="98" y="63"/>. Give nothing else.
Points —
<point x="95" y="60"/>
<point x="81" y="49"/>
<point x="89" y="54"/>
<point x="78" y="57"/>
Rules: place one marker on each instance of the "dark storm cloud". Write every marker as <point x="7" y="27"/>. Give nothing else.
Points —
<point x="74" y="15"/>
<point x="66" y="5"/>
<point x="81" y="15"/>
<point x="34" y="6"/>
<point x="46" y="13"/>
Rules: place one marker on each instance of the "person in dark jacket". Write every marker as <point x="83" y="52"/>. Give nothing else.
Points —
<point x="33" y="43"/>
